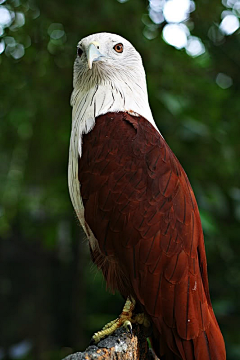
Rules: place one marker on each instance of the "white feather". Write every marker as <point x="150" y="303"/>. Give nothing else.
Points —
<point x="115" y="84"/>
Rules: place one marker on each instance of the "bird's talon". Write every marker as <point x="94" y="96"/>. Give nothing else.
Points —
<point x="127" y="324"/>
<point x="122" y="320"/>
<point x="92" y="341"/>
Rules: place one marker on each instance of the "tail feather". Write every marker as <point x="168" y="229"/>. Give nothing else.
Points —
<point x="208" y="345"/>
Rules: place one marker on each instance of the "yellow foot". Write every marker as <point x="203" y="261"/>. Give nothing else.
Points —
<point x="125" y="319"/>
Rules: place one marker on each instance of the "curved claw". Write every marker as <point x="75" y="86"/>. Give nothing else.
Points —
<point x="128" y="325"/>
<point x="92" y="342"/>
<point x="123" y="320"/>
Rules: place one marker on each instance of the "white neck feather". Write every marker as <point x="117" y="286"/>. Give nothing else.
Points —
<point x="115" y="82"/>
<point x="107" y="97"/>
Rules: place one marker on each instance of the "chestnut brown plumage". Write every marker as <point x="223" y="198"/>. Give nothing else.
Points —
<point x="141" y="208"/>
<point x="136" y="204"/>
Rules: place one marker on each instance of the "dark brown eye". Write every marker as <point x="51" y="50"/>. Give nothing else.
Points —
<point x="79" y="52"/>
<point x="118" y="48"/>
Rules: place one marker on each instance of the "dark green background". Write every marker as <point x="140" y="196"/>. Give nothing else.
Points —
<point x="51" y="297"/>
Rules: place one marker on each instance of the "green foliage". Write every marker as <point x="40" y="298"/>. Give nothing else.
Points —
<point x="52" y="297"/>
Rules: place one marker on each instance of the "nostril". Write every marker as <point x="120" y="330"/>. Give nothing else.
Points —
<point x="79" y="52"/>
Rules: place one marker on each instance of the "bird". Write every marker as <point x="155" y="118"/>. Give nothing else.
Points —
<point x="135" y="203"/>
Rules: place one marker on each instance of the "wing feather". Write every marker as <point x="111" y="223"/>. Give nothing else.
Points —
<point x="141" y="208"/>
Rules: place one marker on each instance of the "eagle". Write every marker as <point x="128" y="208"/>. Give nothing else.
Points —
<point x="136" y="205"/>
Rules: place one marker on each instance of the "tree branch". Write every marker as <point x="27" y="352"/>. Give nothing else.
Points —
<point x="119" y="346"/>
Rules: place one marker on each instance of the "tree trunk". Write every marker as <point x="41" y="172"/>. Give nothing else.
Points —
<point x="119" y="346"/>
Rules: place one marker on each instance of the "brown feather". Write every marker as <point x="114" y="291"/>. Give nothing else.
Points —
<point x="141" y="208"/>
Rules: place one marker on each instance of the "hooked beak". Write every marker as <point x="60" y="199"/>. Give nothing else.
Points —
<point x="93" y="54"/>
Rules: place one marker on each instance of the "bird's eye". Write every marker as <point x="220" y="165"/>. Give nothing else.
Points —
<point x="79" y="52"/>
<point x="118" y="48"/>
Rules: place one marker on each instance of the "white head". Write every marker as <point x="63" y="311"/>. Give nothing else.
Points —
<point x="105" y="57"/>
<point x="108" y="77"/>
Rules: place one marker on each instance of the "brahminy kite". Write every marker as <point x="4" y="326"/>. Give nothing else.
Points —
<point x="136" y="205"/>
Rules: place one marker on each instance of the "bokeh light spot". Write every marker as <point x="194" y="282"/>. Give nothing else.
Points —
<point x="229" y="3"/>
<point x="224" y="81"/>
<point x="55" y="26"/>
<point x="18" y="22"/>
<point x="150" y="32"/>
<point x="176" y="10"/>
<point x="18" y="51"/>
<point x="57" y="34"/>
<point x="194" y="46"/>
<point x="2" y="47"/>
<point x="176" y="35"/>
<point x="157" y="5"/>
<point x="216" y="35"/>
<point x="156" y="16"/>
<point x="5" y="16"/>
<point x="229" y="24"/>
<point x="236" y="8"/>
